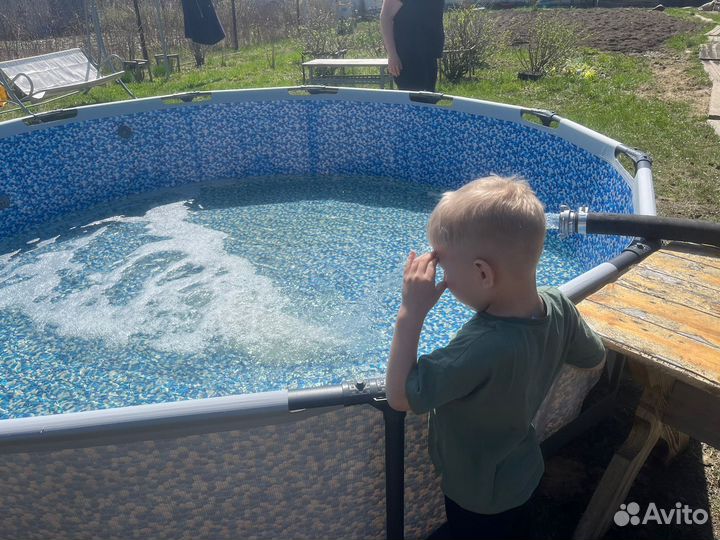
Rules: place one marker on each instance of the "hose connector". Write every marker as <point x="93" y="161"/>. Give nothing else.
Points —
<point x="582" y="217"/>
<point x="571" y="222"/>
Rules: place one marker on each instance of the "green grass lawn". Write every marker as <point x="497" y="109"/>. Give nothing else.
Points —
<point x="619" y="102"/>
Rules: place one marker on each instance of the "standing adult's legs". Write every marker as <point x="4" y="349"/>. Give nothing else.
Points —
<point x="431" y="74"/>
<point x="418" y="74"/>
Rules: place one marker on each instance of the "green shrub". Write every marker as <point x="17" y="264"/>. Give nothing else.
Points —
<point x="472" y="38"/>
<point x="159" y="71"/>
<point x="367" y="40"/>
<point x="551" y="42"/>
<point x="319" y="31"/>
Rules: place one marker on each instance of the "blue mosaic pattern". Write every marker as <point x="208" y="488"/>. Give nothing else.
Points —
<point x="71" y="167"/>
<point x="63" y="170"/>
<point x="219" y="288"/>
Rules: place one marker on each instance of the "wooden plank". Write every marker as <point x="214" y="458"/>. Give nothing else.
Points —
<point x="694" y="412"/>
<point x="683" y="292"/>
<point x="697" y="273"/>
<point x="705" y="261"/>
<point x="710" y="51"/>
<point x="713" y="69"/>
<point x="714" y="32"/>
<point x="654" y="346"/>
<point x="714" y="107"/>
<point x="697" y="326"/>
<point x="347" y="62"/>
<point x="715" y="124"/>
<point x="709" y="255"/>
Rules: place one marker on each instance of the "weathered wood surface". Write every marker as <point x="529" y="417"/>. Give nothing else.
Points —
<point x="710" y="51"/>
<point x="665" y="313"/>
<point x="715" y="32"/>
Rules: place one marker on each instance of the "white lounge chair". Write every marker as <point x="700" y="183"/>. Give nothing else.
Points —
<point x="39" y="78"/>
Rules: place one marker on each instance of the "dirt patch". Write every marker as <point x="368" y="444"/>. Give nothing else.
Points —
<point x="690" y="210"/>
<point x="628" y="30"/>
<point x="672" y="80"/>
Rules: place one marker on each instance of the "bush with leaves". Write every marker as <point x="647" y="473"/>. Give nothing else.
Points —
<point x="319" y="30"/>
<point x="472" y="38"/>
<point x="366" y="41"/>
<point x="551" y="42"/>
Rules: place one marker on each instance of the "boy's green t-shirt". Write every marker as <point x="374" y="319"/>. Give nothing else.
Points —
<point x="482" y="391"/>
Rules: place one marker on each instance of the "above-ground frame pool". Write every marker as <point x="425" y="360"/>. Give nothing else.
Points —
<point x="187" y="282"/>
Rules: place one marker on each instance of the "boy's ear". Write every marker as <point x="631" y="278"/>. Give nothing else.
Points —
<point x="485" y="272"/>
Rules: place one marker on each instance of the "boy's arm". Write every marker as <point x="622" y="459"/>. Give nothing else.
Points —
<point x="419" y="295"/>
<point x="403" y="355"/>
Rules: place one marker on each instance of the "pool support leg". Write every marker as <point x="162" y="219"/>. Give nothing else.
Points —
<point x="371" y="392"/>
<point x="394" y="470"/>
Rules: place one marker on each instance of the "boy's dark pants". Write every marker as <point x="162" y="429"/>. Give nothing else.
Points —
<point x="462" y="524"/>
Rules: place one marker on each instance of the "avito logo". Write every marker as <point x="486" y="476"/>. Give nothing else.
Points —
<point x="629" y="514"/>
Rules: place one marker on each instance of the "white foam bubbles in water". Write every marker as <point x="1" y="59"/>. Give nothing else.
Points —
<point x="552" y="221"/>
<point x="191" y="294"/>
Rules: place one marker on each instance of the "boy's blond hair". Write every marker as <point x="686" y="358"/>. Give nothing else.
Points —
<point x="500" y="219"/>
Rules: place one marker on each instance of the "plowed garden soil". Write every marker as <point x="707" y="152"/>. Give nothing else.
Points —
<point x="628" y="30"/>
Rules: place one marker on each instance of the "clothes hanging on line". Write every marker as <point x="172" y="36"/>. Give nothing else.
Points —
<point x="202" y="24"/>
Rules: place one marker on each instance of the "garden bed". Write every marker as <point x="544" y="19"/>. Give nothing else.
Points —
<point x="625" y="30"/>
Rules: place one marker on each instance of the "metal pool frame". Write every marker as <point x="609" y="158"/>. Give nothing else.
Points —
<point x="176" y="419"/>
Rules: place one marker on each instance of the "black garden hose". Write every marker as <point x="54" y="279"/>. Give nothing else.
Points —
<point x="642" y="226"/>
<point x="654" y="228"/>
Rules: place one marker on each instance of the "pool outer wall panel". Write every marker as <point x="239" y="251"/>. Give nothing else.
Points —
<point x="314" y="476"/>
<point x="315" y="473"/>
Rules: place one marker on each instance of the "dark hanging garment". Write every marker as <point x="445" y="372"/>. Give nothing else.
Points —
<point x="201" y="22"/>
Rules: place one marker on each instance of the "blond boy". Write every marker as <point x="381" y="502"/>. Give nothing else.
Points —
<point x="483" y="388"/>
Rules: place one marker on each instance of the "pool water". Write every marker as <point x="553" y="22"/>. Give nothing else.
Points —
<point x="217" y="289"/>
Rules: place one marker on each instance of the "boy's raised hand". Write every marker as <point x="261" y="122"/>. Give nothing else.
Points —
<point x="420" y="293"/>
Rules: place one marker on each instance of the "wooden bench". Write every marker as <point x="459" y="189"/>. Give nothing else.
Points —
<point x="664" y="316"/>
<point x="333" y="72"/>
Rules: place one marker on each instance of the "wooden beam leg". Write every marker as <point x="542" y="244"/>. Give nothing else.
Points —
<point x="619" y="476"/>
<point x="677" y="442"/>
<point x="629" y="459"/>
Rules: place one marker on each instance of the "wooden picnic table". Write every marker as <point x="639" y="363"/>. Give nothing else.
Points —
<point x="332" y="71"/>
<point x="663" y="316"/>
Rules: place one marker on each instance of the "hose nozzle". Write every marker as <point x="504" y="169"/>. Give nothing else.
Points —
<point x="571" y="222"/>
